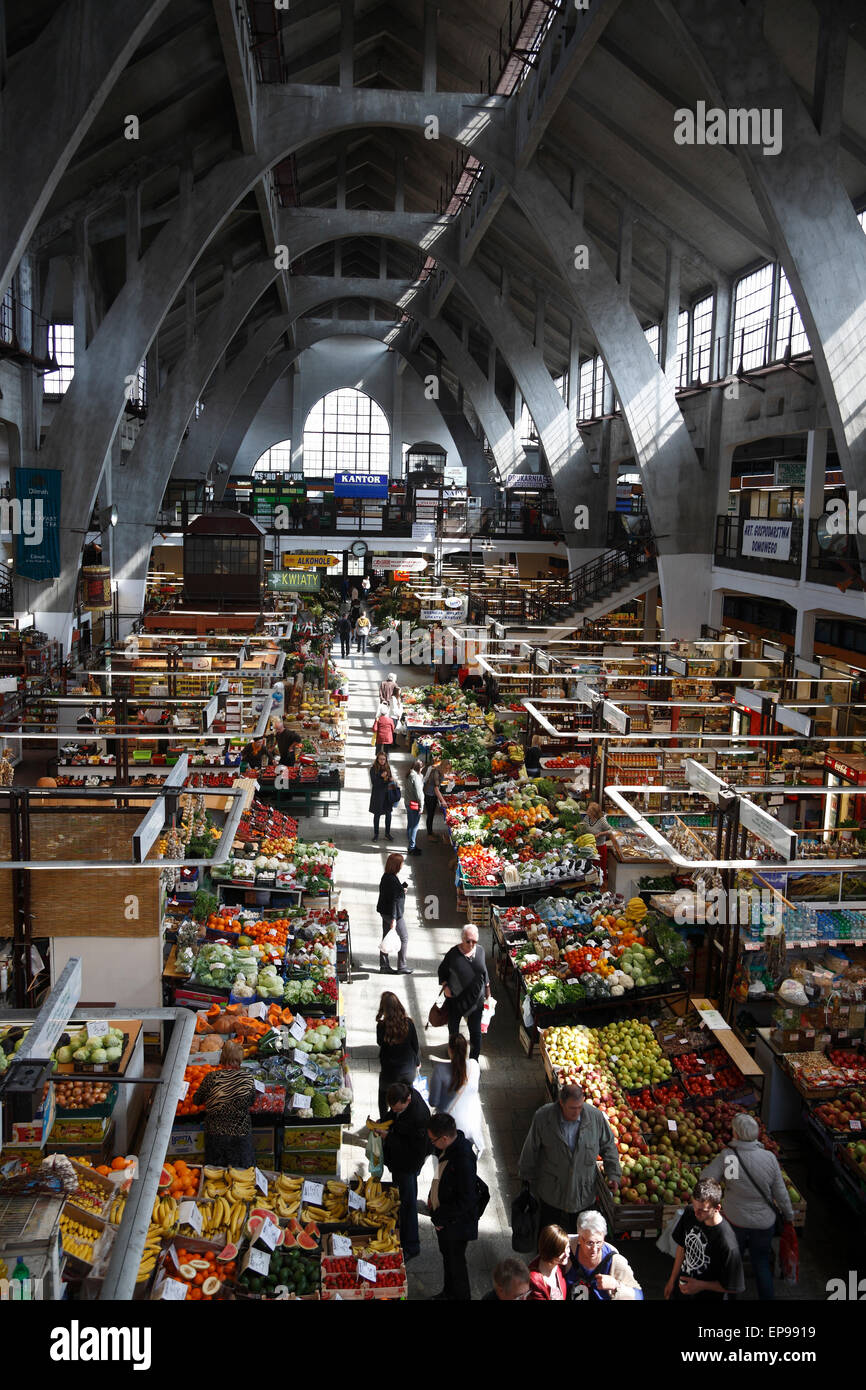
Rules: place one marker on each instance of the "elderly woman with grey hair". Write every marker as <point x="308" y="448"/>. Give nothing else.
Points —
<point x="755" y="1194"/>
<point x="598" y="1271"/>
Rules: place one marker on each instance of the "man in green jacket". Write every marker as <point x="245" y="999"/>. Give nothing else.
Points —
<point x="558" y="1157"/>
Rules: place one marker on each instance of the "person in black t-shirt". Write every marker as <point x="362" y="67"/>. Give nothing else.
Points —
<point x="707" y="1264"/>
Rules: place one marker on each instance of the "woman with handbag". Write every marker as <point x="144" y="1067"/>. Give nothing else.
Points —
<point x="414" y="802"/>
<point x="399" y="1053"/>
<point x="756" y="1201"/>
<point x="382" y="789"/>
<point x="391" y="907"/>
<point x="432" y="791"/>
<point x="454" y="1090"/>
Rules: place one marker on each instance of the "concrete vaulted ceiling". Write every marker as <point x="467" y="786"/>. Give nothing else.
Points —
<point x="213" y="84"/>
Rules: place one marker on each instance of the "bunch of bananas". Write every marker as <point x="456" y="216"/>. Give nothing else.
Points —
<point x="118" y="1203"/>
<point x="635" y="910"/>
<point x="387" y="1241"/>
<point x="77" y="1238"/>
<point x="514" y="753"/>
<point x="335" y="1204"/>
<point x="382" y="1206"/>
<point x="586" y="841"/>
<point x="4" y="1270"/>
<point x="149" y="1257"/>
<point x="378" y="1126"/>
<point x="164" y="1215"/>
<point x="288" y="1196"/>
<point x="237" y="1183"/>
<point x="222" y="1217"/>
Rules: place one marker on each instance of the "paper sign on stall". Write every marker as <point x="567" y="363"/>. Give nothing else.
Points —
<point x="302" y="1058"/>
<point x="189" y="1215"/>
<point x="367" y="1271"/>
<point x="269" y="1234"/>
<point x="261" y="1181"/>
<point x="97" y="1027"/>
<point x="174" y="1290"/>
<point x="260" y="1086"/>
<point x="298" y="1028"/>
<point x="259" y="1261"/>
<point x="256" y="1011"/>
<point x="714" y="1020"/>
<point x="300" y="1102"/>
<point x="341" y="1245"/>
<point x="312" y="1193"/>
<point x="356" y="1201"/>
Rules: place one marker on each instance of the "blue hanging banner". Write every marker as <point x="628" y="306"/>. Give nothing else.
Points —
<point x="373" y="486"/>
<point x="35" y="522"/>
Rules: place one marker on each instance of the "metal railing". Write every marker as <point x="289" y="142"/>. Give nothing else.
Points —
<point x="599" y="578"/>
<point x="729" y="546"/>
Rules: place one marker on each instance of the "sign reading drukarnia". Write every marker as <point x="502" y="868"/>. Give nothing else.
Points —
<point x="77" y="1343"/>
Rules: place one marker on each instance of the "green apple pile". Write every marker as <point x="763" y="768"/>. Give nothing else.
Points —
<point x="632" y="1053"/>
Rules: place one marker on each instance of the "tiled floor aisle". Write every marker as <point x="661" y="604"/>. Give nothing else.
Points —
<point x="511" y="1085"/>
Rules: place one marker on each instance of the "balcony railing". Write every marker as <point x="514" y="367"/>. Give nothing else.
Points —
<point x="729" y="548"/>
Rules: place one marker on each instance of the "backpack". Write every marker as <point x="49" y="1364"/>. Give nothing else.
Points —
<point x="482" y="1194"/>
<point x="524" y="1222"/>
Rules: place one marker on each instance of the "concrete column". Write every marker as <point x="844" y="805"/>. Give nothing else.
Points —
<point x="491" y="364"/>
<point x="540" y="310"/>
<point x="573" y="370"/>
<point x="396" y="420"/>
<point x="399" y="182"/>
<point x="347" y="43"/>
<point x="431" y="17"/>
<point x="668" y="329"/>
<point x="189" y="311"/>
<point x="299" y="416"/>
<point x="341" y="179"/>
<point x="717" y="609"/>
<point x="720" y="354"/>
<point x="383" y="259"/>
<point x="830" y="71"/>
<point x="338" y="262"/>
<point x="650" y="622"/>
<point x="80" y="316"/>
<point x="576" y="193"/>
<point x="133" y="229"/>
<point x="804" y="634"/>
<point x="813" y="501"/>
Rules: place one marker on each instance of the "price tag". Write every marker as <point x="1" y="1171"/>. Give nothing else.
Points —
<point x="272" y="932"/>
<point x="302" y="1058"/>
<point x="356" y="1201"/>
<point x="842" y="1033"/>
<point x="189" y="1215"/>
<point x="97" y="1027"/>
<point x="298" y="1029"/>
<point x="613" y="1057"/>
<point x="312" y="1192"/>
<point x="310" y="1072"/>
<point x="367" y="1271"/>
<point x="174" y="1290"/>
<point x="709" y="1076"/>
<point x="218" y="965"/>
<point x="256" y="1011"/>
<point x="810" y="1033"/>
<point x="341" y="1245"/>
<point x="269" y="1234"/>
<point x="260" y="1086"/>
<point x="795" y="1037"/>
<point x="261" y="1182"/>
<point x="259" y="1261"/>
<point x="701" y="1062"/>
<point x="184" y="1087"/>
<point x="669" y="1037"/>
<point x="855" y="1124"/>
<point x="572" y="981"/>
<point x="672" y="1126"/>
<point x="173" y="1256"/>
<point x="300" y="1102"/>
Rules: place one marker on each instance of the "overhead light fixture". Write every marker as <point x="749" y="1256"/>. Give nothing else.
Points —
<point x="107" y="517"/>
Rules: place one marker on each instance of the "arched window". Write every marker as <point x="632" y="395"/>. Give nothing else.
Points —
<point x="277" y="459"/>
<point x="346" y="431"/>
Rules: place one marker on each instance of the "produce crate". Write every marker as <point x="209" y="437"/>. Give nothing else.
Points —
<point x="394" y="1291"/>
<point x="107" y="1190"/>
<point x="186" y="1141"/>
<point x="77" y="1268"/>
<point x="324" y="1162"/>
<point x="320" y="1137"/>
<point x="848" y="1161"/>
<point x="637" y="1219"/>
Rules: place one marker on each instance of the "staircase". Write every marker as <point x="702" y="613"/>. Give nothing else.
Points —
<point x="614" y="577"/>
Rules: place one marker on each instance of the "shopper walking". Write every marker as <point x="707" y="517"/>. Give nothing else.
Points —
<point x="558" y="1157"/>
<point x="453" y="1205"/>
<point x="228" y="1094"/>
<point x="391" y="906"/>
<point x="433" y="797"/>
<point x="754" y="1192"/>
<point x="388" y="688"/>
<point x="454" y="1091"/>
<point x="708" y="1264"/>
<point x="546" y="1271"/>
<point x="383" y="729"/>
<point x="597" y="1270"/>
<point x="362" y="632"/>
<point x="405" y="1150"/>
<point x="344" y="632"/>
<point x="399" y="1054"/>
<point x="382" y="788"/>
<point x="414" y="802"/>
<point x="463" y="973"/>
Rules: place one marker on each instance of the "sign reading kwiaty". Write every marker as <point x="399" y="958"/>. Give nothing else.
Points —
<point x="370" y="485"/>
<point x="294" y="581"/>
<point x="769" y="540"/>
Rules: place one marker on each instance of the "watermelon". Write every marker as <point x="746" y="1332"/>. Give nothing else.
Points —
<point x="165" y="1179"/>
<point x="264" y="1213"/>
<point x="311" y="1229"/>
<point x="228" y="1252"/>
<point x="289" y="1241"/>
<point x="294" y="1224"/>
<point x="254" y="1226"/>
<point x="306" y="1242"/>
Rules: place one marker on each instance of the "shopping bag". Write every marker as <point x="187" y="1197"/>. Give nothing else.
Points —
<point x="390" y="942"/>
<point x="438" y="1015"/>
<point x="665" y="1242"/>
<point x="487" y="1014"/>
<point x="789" y="1255"/>
<point x="422" y="1086"/>
<point x="524" y="1222"/>
<point x="374" y="1154"/>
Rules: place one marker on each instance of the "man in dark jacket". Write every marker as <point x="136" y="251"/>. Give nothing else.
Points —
<point x="453" y="1205"/>
<point x="406" y="1147"/>
<point x="463" y="972"/>
<point x="344" y="631"/>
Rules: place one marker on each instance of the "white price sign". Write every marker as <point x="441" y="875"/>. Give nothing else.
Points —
<point x="261" y="1181"/>
<point x="855" y="1124"/>
<point x="672" y="1126"/>
<point x="173" y="1256"/>
<point x="184" y="1087"/>
<point x="341" y="1245"/>
<point x="174" y="1291"/>
<point x="713" y="1019"/>
<point x="312" y="1192"/>
<point x="298" y="1028"/>
<point x="367" y="1271"/>
<point x="97" y="1027"/>
<point x="189" y="1215"/>
<point x="356" y="1201"/>
<point x="301" y="1057"/>
<point x="260" y="1086"/>
<point x="256" y="1011"/>
<point x="269" y="1234"/>
<point x="259" y="1261"/>
<point x="310" y="1072"/>
<point x="300" y="1102"/>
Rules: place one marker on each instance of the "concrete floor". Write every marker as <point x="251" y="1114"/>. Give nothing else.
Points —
<point x="512" y="1085"/>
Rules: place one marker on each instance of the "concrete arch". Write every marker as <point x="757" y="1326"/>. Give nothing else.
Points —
<point x="96" y="41"/>
<point x="823" y="255"/>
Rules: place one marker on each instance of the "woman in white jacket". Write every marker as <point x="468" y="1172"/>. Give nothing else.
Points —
<point x="754" y="1191"/>
<point x="454" y="1090"/>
